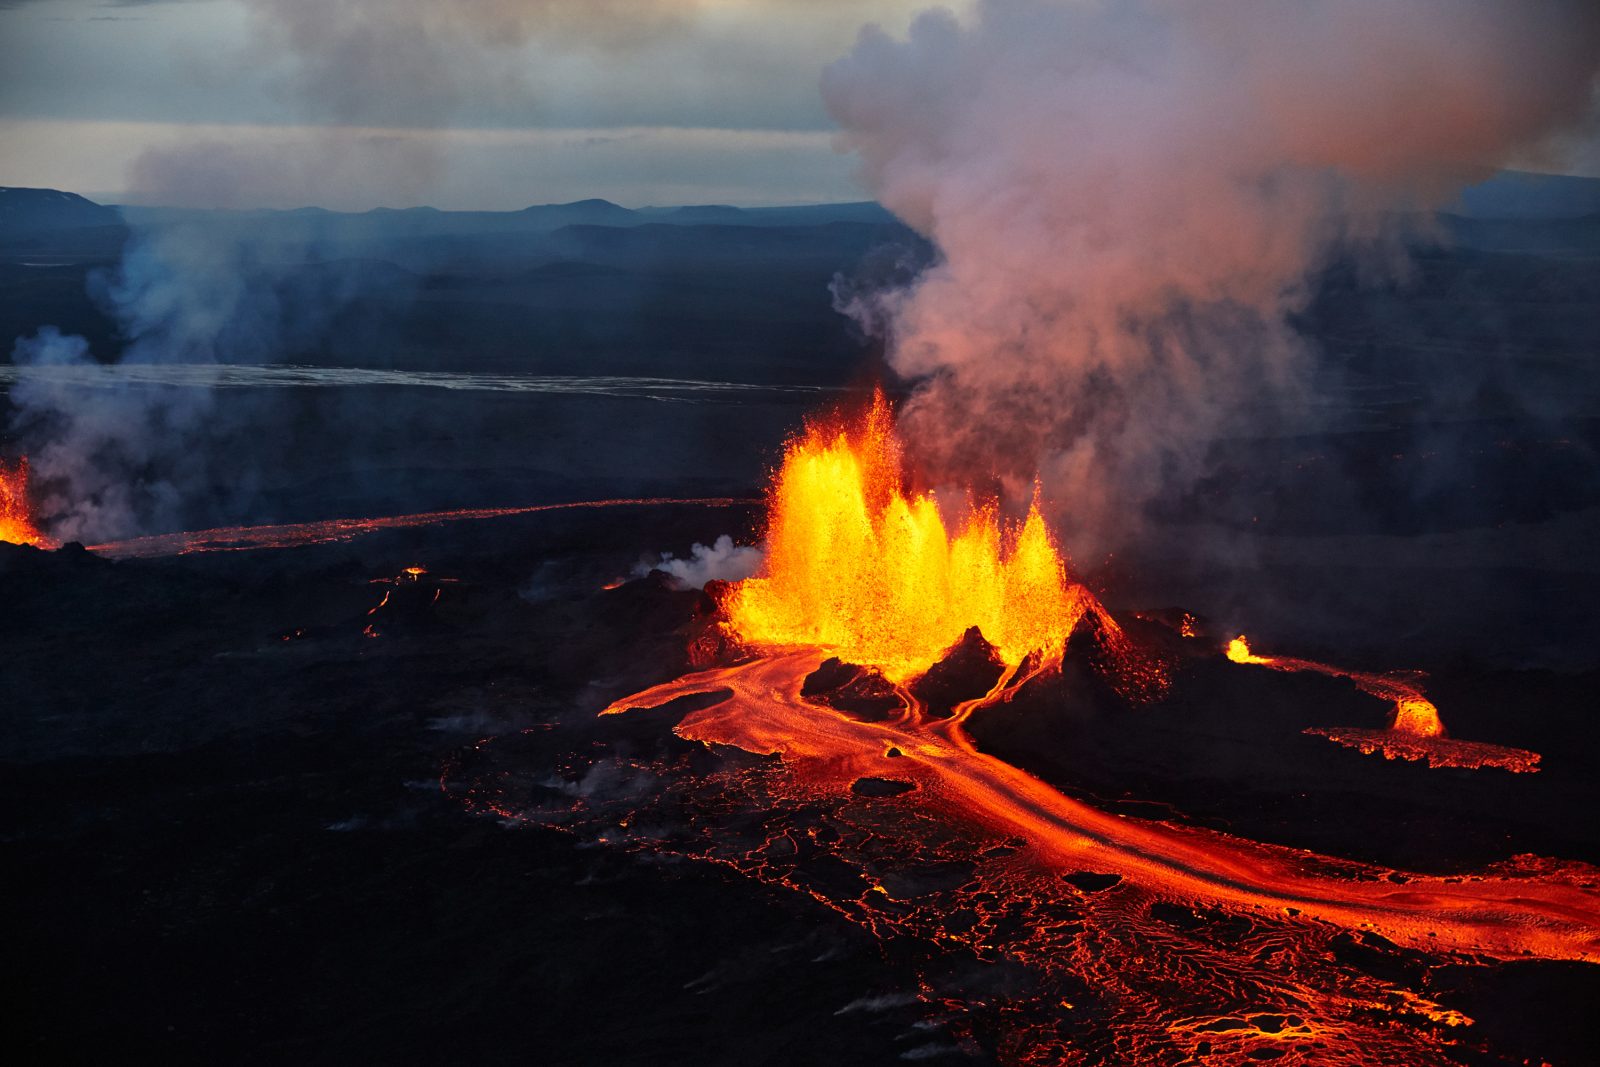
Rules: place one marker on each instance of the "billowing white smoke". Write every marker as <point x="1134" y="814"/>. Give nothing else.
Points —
<point x="1128" y="197"/>
<point x="722" y="560"/>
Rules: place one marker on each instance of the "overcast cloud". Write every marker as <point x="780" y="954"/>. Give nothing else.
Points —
<point x="472" y="103"/>
<point x="492" y="103"/>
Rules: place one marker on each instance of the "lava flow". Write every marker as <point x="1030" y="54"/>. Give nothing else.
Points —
<point x="1165" y="941"/>
<point x="17" y="524"/>
<point x="1417" y="733"/>
<point x="337" y="531"/>
<point x="1043" y="930"/>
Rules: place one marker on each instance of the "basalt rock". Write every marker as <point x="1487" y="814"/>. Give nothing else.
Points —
<point x="968" y="670"/>
<point x="859" y="691"/>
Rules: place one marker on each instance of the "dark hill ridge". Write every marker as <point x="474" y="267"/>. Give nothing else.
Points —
<point x="589" y="287"/>
<point x="1509" y="195"/>
<point x="25" y="211"/>
<point x="401" y="223"/>
<point x="1515" y="194"/>
<point x="592" y="212"/>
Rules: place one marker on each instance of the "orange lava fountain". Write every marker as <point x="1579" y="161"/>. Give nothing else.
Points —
<point x="858" y="565"/>
<point x="16" y="512"/>
<point x="1417" y="732"/>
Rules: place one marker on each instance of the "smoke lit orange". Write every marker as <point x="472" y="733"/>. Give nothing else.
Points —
<point x="859" y="565"/>
<point x="16" y="512"/>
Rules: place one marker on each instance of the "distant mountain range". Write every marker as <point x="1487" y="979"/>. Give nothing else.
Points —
<point x="1508" y="195"/>
<point x="23" y="212"/>
<point x="1519" y="195"/>
<point x="742" y="294"/>
<point x="541" y="218"/>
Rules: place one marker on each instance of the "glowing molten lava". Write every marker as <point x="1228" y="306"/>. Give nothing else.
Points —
<point x="858" y="565"/>
<point x="1417" y="733"/>
<point x="1123" y="940"/>
<point x="16" y="514"/>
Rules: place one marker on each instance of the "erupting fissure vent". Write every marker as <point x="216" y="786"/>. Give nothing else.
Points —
<point x="880" y="630"/>
<point x="858" y="564"/>
<point x="16" y="511"/>
<point x="1417" y="732"/>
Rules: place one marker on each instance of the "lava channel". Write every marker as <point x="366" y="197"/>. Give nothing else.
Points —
<point x="335" y="531"/>
<point x="1177" y="935"/>
<point x="1417" y="733"/>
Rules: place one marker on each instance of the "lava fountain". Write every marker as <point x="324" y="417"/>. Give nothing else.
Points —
<point x="858" y="565"/>
<point x="17" y="524"/>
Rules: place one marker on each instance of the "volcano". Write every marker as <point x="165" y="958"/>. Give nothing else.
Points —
<point x="366" y="751"/>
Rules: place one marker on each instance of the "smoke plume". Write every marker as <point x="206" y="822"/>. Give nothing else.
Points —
<point x="115" y="456"/>
<point x="1128" y="198"/>
<point x="722" y="560"/>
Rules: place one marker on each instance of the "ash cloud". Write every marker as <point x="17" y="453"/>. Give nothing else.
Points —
<point x="1128" y="200"/>
<point x="412" y="62"/>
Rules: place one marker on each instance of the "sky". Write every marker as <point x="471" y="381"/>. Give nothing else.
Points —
<point x="491" y="104"/>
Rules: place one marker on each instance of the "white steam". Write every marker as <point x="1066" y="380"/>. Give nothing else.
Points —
<point x="92" y="449"/>
<point x="1128" y="197"/>
<point x="722" y="560"/>
<point x="123" y="455"/>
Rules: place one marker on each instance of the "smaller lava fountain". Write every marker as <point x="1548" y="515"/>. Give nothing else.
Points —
<point x="1417" y="732"/>
<point x="17" y="525"/>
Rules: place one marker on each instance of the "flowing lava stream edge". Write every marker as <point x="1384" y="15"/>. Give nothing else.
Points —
<point x="335" y="531"/>
<point x="1528" y="907"/>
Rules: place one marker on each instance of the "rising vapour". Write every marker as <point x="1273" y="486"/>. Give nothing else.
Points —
<point x="1129" y="197"/>
<point x="122" y="458"/>
<point x="115" y="456"/>
<point x="721" y="560"/>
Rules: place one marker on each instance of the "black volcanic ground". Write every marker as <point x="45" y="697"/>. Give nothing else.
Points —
<point x="225" y="846"/>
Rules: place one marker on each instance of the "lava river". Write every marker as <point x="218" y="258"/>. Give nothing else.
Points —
<point x="1044" y="930"/>
<point x="764" y="713"/>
